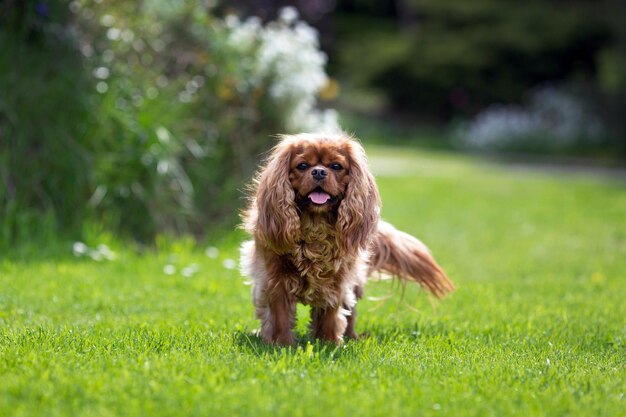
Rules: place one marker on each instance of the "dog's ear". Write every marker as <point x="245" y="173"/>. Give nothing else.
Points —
<point x="273" y="218"/>
<point x="359" y="210"/>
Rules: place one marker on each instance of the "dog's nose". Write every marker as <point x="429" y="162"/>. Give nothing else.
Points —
<point x="319" y="173"/>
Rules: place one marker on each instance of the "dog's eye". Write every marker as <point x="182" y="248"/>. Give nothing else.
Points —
<point x="336" y="166"/>
<point x="302" y="166"/>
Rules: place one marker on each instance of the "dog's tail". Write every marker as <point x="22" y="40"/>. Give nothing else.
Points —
<point x="400" y="254"/>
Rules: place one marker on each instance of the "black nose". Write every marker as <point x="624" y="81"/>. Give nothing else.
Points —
<point x="319" y="173"/>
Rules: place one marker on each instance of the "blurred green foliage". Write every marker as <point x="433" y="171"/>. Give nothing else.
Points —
<point x="177" y="137"/>
<point x="139" y="115"/>
<point x="43" y="122"/>
<point x="445" y="57"/>
<point x="443" y="61"/>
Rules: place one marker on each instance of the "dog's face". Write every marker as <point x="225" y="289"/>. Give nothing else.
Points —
<point x="316" y="174"/>
<point x="319" y="175"/>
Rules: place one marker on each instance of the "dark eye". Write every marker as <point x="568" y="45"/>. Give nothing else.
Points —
<point x="302" y="166"/>
<point x="335" y="166"/>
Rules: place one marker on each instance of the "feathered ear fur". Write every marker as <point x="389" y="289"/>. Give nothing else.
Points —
<point x="272" y="216"/>
<point x="360" y="209"/>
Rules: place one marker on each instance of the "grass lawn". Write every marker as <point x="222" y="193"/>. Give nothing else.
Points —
<point x="537" y="326"/>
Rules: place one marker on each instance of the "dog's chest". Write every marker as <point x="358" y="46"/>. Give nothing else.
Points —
<point x="318" y="259"/>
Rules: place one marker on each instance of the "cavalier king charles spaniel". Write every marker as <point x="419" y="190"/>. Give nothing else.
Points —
<point x="314" y="215"/>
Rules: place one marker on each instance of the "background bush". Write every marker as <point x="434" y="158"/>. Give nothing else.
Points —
<point x="45" y="168"/>
<point x="438" y="61"/>
<point x="145" y="115"/>
<point x="551" y="120"/>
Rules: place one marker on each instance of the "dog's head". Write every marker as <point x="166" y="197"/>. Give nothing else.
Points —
<point x="321" y="174"/>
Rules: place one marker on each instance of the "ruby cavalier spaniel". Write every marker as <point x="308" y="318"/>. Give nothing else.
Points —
<point x="314" y="215"/>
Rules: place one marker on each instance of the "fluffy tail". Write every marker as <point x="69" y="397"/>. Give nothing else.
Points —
<point x="405" y="257"/>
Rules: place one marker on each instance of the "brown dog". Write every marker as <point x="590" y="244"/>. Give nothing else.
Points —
<point x="314" y="215"/>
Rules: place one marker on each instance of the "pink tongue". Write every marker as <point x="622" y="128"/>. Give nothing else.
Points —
<point x="319" y="197"/>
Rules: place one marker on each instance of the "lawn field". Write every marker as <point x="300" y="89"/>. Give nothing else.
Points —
<point x="537" y="326"/>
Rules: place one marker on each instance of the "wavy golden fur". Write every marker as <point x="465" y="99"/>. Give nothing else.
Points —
<point x="314" y="217"/>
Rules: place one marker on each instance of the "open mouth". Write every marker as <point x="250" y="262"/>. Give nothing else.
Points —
<point x="319" y="196"/>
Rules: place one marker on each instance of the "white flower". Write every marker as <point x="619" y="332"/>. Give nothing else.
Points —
<point x="101" y="252"/>
<point x="79" y="248"/>
<point x="229" y="264"/>
<point x="95" y="255"/>
<point x="288" y="14"/>
<point x="106" y="252"/>
<point x="101" y="73"/>
<point x="243" y="35"/>
<point x="231" y="21"/>
<point x="212" y="252"/>
<point x="190" y="270"/>
<point x="284" y="57"/>
<point x="551" y="116"/>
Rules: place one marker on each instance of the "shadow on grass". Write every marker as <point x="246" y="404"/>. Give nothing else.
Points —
<point x="251" y="343"/>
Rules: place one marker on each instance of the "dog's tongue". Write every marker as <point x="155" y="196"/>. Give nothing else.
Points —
<point x="319" y="197"/>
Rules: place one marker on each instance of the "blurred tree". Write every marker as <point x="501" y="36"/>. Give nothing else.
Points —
<point x="442" y="57"/>
<point x="44" y="169"/>
<point x="609" y="93"/>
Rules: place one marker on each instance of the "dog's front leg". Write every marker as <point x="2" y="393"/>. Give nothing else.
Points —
<point x="278" y="319"/>
<point x="350" y="332"/>
<point x="328" y="324"/>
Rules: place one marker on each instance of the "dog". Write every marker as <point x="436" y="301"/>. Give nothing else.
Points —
<point x="314" y="216"/>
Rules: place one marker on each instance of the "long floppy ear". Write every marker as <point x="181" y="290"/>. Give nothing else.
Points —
<point x="273" y="214"/>
<point x="359" y="210"/>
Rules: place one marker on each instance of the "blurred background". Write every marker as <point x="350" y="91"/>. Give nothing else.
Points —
<point x="147" y="116"/>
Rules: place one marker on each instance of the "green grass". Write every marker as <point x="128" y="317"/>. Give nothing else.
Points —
<point x="536" y="328"/>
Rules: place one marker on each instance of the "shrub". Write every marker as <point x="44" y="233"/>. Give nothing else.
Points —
<point x="44" y="111"/>
<point x="551" y="120"/>
<point x="175" y="108"/>
<point x="446" y="58"/>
